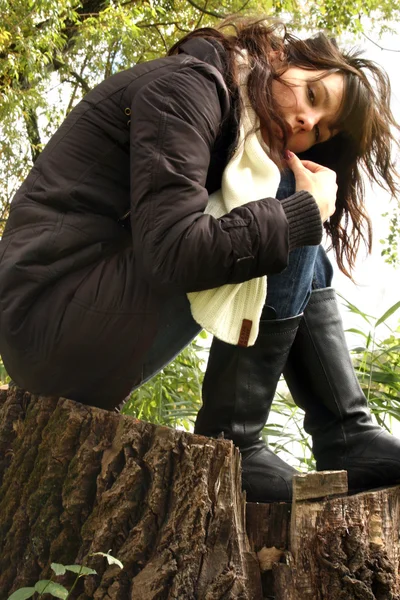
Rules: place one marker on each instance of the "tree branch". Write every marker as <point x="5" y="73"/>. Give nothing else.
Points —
<point x="73" y="95"/>
<point x="205" y="11"/>
<point x="86" y="88"/>
<point x="112" y="53"/>
<point x="162" y="38"/>
<point x="157" y="24"/>
<point x="32" y="129"/>
<point x="201" y="16"/>
<point x="243" y="6"/>
<point x="378" y="46"/>
<point x="58" y="64"/>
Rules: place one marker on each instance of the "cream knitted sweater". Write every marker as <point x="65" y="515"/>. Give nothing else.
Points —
<point x="232" y="312"/>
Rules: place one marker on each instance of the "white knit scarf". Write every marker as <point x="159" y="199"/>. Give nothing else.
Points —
<point x="232" y="312"/>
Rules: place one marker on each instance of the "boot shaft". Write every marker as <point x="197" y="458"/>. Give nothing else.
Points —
<point x="240" y="383"/>
<point x="322" y="380"/>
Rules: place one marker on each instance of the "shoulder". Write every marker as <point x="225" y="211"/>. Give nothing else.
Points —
<point x="180" y="76"/>
<point x="192" y="71"/>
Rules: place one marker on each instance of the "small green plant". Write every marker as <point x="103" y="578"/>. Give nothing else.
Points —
<point x="376" y="358"/>
<point x="377" y="362"/>
<point x="173" y="396"/>
<point x="4" y="378"/>
<point x="48" y="586"/>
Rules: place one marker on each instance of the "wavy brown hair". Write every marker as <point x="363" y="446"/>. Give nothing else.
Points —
<point x="365" y="119"/>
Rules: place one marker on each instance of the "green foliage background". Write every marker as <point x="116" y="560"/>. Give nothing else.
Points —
<point x="173" y="396"/>
<point x="53" y="52"/>
<point x="376" y="357"/>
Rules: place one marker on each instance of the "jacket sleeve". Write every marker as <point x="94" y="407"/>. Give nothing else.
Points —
<point x="175" y="121"/>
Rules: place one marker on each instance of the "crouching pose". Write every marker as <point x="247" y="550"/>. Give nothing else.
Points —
<point x="156" y="209"/>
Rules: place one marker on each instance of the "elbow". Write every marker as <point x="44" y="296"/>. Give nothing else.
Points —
<point x="162" y="275"/>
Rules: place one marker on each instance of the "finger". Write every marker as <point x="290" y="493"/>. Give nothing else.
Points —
<point x="293" y="161"/>
<point x="312" y="166"/>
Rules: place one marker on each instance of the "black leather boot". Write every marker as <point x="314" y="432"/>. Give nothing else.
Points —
<point x="238" y="391"/>
<point x="322" y="380"/>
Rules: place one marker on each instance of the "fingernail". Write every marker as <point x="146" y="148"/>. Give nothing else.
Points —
<point x="288" y="155"/>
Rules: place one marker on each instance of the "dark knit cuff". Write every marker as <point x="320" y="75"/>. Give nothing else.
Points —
<point x="304" y="218"/>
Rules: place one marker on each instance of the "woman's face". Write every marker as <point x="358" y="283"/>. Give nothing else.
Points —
<point x="309" y="107"/>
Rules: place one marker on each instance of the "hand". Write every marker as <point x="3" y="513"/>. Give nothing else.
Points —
<point x="319" y="181"/>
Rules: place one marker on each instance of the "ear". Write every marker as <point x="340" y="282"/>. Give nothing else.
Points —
<point x="277" y="59"/>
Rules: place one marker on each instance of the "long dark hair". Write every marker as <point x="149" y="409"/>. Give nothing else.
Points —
<point x="365" y="118"/>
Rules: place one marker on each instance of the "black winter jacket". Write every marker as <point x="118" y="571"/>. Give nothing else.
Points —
<point x="80" y="291"/>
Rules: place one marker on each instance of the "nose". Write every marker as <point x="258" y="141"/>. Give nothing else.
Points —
<point x="307" y="121"/>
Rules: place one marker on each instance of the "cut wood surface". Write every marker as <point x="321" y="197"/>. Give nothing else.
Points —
<point x="76" y="480"/>
<point x="347" y="548"/>
<point x="334" y="548"/>
<point x="168" y="504"/>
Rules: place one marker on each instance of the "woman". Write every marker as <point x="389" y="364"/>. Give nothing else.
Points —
<point x="93" y="302"/>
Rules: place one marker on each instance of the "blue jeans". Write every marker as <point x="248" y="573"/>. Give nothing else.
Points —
<point x="287" y="296"/>
<point x="308" y="268"/>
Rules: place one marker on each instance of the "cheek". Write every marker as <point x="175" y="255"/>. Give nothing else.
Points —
<point x="285" y="97"/>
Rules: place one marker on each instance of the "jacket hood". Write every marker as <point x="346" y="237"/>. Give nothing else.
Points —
<point x="206" y="50"/>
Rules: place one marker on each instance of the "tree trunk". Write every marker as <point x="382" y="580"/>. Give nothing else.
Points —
<point x="76" y="480"/>
<point x="328" y="546"/>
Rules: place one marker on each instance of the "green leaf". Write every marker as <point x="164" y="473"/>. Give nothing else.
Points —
<point x="22" y="594"/>
<point x="50" y="587"/>
<point x="386" y="378"/>
<point x="81" y="570"/>
<point x="352" y="308"/>
<point x="58" y="568"/>
<point x="388" y="313"/>
<point x="358" y="349"/>
<point x="357" y="331"/>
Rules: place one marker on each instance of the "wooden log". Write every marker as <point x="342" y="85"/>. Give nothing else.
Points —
<point x="76" y="480"/>
<point x="335" y="547"/>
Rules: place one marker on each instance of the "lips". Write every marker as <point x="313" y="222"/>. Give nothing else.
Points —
<point x="279" y="132"/>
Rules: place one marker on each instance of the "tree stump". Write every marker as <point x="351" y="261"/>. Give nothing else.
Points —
<point x="327" y="545"/>
<point x="76" y="480"/>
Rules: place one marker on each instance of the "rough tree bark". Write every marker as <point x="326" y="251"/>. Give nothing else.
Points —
<point x="327" y="545"/>
<point x="76" y="480"/>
